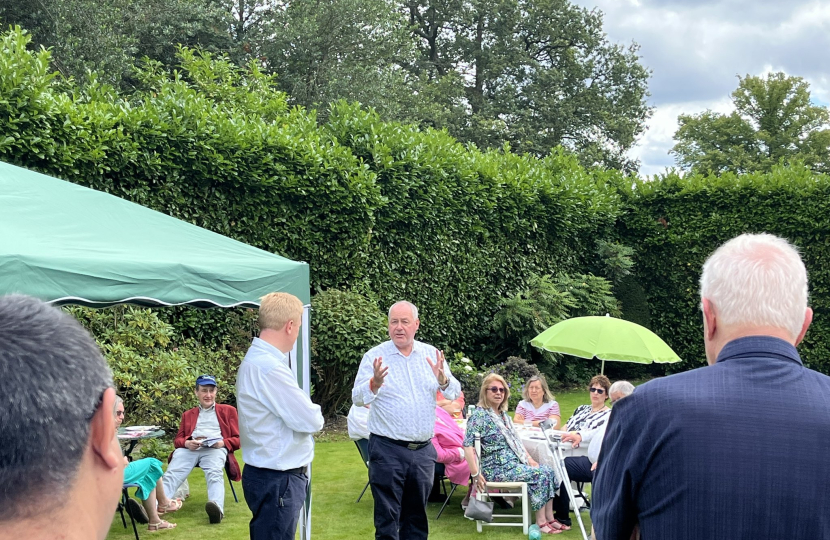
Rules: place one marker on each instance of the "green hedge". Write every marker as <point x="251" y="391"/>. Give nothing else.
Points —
<point x="385" y="208"/>
<point x="676" y="222"/>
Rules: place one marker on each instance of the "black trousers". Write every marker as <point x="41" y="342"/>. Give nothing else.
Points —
<point x="579" y="470"/>
<point x="401" y="480"/>
<point x="276" y="499"/>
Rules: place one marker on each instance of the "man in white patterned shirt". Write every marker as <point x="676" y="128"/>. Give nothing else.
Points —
<point x="400" y="378"/>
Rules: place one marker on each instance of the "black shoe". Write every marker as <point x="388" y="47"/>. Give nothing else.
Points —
<point x="437" y="498"/>
<point x="503" y="503"/>
<point x="137" y="512"/>
<point x="214" y="512"/>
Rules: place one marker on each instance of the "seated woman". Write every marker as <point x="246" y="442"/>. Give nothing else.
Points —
<point x="503" y="457"/>
<point x="448" y="441"/>
<point x="147" y="474"/>
<point x="588" y="418"/>
<point x="454" y="407"/>
<point x="538" y="404"/>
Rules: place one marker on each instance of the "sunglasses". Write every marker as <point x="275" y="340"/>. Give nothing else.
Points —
<point x="599" y="391"/>
<point x="496" y="389"/>
<point x="119" y="413"/>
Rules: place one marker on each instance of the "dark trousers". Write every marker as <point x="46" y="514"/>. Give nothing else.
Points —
<point x="275" y="499"/>
<point x="579" y="470"/>
<point x="401" y="480"/>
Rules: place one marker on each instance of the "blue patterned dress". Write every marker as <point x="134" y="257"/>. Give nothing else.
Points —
<point x="500" y="464"/>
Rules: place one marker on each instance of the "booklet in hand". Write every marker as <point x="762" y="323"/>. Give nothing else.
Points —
<point x="210" y="442"/>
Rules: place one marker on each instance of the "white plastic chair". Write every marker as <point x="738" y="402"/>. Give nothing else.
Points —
<point x="488" y="494"/>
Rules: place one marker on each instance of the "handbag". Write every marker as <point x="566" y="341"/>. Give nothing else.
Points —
<point x="479" y="510"/>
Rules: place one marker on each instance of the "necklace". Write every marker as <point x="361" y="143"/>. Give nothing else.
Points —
<point x="600" y="409"/>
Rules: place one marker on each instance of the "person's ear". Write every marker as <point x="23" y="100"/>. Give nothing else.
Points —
<point x="808" y="318"/>
<point x="102" y="432"/>
<point x="709" y="318"/>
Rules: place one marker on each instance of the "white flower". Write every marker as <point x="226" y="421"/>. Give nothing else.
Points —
<point x="466" y="360"/>
<point x="467" y="368"/>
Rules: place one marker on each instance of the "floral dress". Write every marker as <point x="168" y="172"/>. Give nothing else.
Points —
<point x="499" y="462"/>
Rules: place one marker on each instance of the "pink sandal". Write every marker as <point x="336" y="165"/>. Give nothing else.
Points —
<point x="550" y="530"/>
<point x="160" y="526"/>
<point x="555" y="524"/>
<point x="172" y="506"/>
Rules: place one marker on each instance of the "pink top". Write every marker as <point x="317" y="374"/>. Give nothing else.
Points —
<point x="447" y="441"/>
<point x="529" y="412"/>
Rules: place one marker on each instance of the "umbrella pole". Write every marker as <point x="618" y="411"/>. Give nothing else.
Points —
<point x="602" y="370"/>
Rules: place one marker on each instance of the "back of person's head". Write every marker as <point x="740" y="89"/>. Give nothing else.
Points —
<point x="53" y="380"/>
<point x="623" y="388"/>
<point x="277" y="308"/>
<point x="757" y="280"/>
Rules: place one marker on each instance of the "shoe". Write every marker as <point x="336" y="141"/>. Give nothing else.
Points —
<point x="214" y="512"/>
<point x="160" y="526"/>
<point x="503" y="502"/>
<point x="136" y="511"/>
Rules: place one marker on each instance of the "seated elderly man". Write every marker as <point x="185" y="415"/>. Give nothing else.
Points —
<point x="61" y="466"/>
<point x="581" y="468"/>
<point x="208" y="434"/>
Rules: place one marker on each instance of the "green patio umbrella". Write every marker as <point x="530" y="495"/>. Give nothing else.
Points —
<point x="606" y="338"/>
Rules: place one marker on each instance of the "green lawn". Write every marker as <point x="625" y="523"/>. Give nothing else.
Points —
<point x="339" y="476"/>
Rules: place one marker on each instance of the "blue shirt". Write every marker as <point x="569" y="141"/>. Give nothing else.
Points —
<point x="404" y="407"/>
<point x="735" y="450"/>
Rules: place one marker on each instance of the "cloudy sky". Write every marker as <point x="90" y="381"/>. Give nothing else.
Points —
<point x="697" y="48"/>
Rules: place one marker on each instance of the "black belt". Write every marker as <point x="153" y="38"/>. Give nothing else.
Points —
<point x="296" y="470"/>
<point x="406" y="444"/>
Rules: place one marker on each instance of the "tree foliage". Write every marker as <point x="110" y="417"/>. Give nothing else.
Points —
<point x="774" y="122"/>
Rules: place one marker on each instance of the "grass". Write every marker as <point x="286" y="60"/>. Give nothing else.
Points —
<point x="339" y="476"/>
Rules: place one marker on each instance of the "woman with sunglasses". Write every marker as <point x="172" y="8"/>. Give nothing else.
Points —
<point x="587" y="418"/>
<point x="503" y="457"/>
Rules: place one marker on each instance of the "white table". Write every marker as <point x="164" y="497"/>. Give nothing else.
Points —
<point x="538" y="447"/>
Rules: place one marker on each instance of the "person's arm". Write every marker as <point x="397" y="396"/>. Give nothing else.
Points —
<point x="284" y="397"/>
<point x="230" y="435"/>
<point x="519" y="415"/>
<point x="555" y="414"/>
<point x="452" y="390"/>
<point x="362" y="392"/>
<point x="446" y="454"/>
<point x="181" y="436"/>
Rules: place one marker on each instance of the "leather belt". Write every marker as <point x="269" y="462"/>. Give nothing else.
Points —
<point x="409" y="445"/>
<point x="297" y="470"/>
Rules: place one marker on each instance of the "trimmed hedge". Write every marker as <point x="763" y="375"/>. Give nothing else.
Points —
<point x="676" y="222"/>
<point x="371" y="206"/>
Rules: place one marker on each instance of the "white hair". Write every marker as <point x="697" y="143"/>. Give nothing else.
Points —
<point x="624" y="388"/>
<point x="405" y="303"/>
<point x="757" y="280"/>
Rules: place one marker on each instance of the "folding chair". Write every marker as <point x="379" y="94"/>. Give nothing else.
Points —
<point x="363" y="448"/>
<point x="487" y="494"/>
<point x="124" y="496"/>
<point x="440" y="474"/>
<point x="228" y="474"/>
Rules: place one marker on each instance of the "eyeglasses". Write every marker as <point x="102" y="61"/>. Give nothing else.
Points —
<point x="496" y="389"/>
<point x="599" y="391"/>
<point x="119" y="413"/>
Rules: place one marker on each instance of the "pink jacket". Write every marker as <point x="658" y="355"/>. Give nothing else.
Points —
<point x="447" y="440"/>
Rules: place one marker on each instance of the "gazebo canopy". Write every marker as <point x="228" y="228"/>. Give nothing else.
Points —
<point x="64" y="243"/>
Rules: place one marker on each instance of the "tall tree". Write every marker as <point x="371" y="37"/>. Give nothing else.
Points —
<point x="774" y="121"/>
<point x="535" y="74"/>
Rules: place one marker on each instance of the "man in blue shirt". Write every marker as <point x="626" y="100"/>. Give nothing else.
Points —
<point x="737" y="449"/>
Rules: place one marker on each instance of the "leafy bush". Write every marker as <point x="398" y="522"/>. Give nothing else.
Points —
<point x="154" y="375"/>
<point x="344" y="325"/>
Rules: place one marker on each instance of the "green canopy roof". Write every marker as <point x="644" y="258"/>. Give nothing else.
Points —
<point x="65" y="243"/>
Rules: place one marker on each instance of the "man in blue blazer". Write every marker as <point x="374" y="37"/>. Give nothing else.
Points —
<point x="737" y="449"/>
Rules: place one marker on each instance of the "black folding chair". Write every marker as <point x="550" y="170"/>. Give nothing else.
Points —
<point x="363" y="448"/>
<point x="441" y="476"/>
<point x="124" y="496"/>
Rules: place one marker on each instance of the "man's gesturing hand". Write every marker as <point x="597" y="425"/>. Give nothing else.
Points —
<point x="380" y="373"/>
<point x="438" y="368"/>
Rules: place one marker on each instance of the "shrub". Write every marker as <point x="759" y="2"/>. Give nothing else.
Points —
<point x="344" y="325"/>
<point x="154" y="375"/>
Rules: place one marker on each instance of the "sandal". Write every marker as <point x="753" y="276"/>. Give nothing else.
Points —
<point x="160" y="526"/>
<point x="555" y="524"/>
<point x="172" y="506"/>
<point x="550" y="530"/>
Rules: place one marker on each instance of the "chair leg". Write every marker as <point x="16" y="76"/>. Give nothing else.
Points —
<point x="452" y="490"/>
<point x="362" y="492"/>
<point x="525" y="510"/>
<point x="125" y="495"/>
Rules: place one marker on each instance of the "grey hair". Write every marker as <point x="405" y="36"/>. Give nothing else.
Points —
<point x="757" y="280"/>
<point x="53" y="381"/>
<point x="405" y="303"/>
<point x="621" y="387"/>
<point x="118" y="401"/>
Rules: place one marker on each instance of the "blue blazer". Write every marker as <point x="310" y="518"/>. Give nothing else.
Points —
<point x="740" y="449"/>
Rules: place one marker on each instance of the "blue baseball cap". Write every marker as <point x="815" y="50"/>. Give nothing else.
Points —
<point x="206" y="380"/>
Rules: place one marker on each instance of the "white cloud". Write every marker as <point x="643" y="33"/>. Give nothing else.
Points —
<point x="697" y="48"/>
